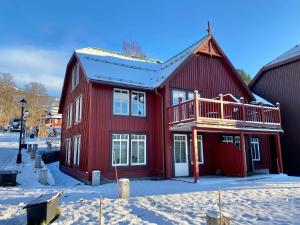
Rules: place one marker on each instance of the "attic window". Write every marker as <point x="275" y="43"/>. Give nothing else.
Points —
<point x="75" y="76"/>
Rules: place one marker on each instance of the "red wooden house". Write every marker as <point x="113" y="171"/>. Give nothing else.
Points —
<point x="279" y="80"/>
<point x="188" y="116"/>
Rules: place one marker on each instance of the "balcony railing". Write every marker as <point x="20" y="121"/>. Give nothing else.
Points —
<point x="212" y="111"/>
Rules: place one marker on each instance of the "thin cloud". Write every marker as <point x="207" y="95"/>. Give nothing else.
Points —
<point x="28" y="64"/>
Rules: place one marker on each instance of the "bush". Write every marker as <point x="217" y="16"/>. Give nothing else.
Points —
<point x="49" y="156"/>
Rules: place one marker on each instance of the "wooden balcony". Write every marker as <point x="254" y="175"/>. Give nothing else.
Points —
<point x="223" y="114"/>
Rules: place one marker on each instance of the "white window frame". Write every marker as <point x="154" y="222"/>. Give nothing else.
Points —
<point x="68" y="151"/>
<point x="200" y="143"/>
<point x="112" y="147"/>
<point x="227" y="139"/>
<point x="75" y="76"/>
<point x="145" y="148"/>
<point x="76" y="150"/>
<point x="128" y="101"/>
<point x="255" y="155"/>
<point x="139" y="92"/>
<point x="178" y="92"/>
<point x="237" y="141"/>
<point x="69" y="115"/>
<point x="78" y="109"/>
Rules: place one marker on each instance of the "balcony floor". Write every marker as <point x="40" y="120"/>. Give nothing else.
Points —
<point x="229" y="127"/>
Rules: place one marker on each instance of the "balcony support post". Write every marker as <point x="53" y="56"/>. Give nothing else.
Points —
<point x="195" y="154"/>
<point x="197" y="108"/>
<point x="243" y="151"/>
<point x="279" y="156"/>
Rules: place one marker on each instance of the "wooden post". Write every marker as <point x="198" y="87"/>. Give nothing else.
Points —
<point x="242" y="100"/>
<point x="100" y="216"/>
<point x="279" y="112"/>
<point x="180" y="109"/>
<point x="262" y="113"/>
<point x="195" y="154"/>
<point x="222" y="107"/>
<point x="279" y="156"/>
<point x="243" y="150"/>
<point x="197" y="109"/>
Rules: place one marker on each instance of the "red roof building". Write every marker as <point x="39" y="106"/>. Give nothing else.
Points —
<point x="189" y="116"/>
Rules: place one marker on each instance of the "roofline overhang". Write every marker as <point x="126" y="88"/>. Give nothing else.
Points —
<point x="117" y="84"/>
<point x="272" y="66"/>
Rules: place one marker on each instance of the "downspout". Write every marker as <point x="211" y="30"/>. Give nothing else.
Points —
<point x="162" y="129"/>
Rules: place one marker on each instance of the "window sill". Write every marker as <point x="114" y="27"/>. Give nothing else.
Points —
<point x="76" y="123"/>
<point x="256" y="160"/>
<point x="135" y="165"/>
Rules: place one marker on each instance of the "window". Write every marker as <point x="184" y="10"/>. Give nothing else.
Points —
<point x="78" y="109"/>
<point x="237" y="141"/>
<point x="76" y="150"/>
<point x="68" y="151"/>
<point x="121" y="102"/>
<point x="227" y="139"/>
<point x="120" y="147"/>
<point x="138" y="149"/>
<point x="178" y="95"/>
<point x="69" y="116"/>
<point x="255" y="149"/>
<point x="138" y="105"/>
<point x="200" y="150"/>
<point x="75" y="76"/>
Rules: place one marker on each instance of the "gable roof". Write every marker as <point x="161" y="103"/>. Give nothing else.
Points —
<point x="291" y="55"/>
<point x="111" y="67"/>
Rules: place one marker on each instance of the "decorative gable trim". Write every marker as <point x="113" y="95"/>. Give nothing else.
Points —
<point x="209" y="48"/>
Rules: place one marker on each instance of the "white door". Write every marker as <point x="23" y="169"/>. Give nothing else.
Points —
<point x="180" y="155"/>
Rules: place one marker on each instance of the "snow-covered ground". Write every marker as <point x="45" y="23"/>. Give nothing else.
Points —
<point x="271" y="199"/>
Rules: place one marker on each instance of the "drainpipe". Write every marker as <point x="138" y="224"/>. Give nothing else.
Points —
<point x="162" y="129"/>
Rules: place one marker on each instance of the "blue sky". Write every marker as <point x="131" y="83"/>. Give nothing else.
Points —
<point x="38" y="37"/>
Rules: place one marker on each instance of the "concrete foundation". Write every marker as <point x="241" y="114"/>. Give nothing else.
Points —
<point x="124" y="188"/>
<point x="43" y="176"/>
<point x="96" y="177"/>
<point x="29" y="149"/>
<point x="32" y="153"/>
<point x="38" y="161"/>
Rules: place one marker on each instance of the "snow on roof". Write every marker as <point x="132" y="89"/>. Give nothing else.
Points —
<point x="259" y="99"/>
<point x="295" y="51"/>
<point x="112" y="67"/>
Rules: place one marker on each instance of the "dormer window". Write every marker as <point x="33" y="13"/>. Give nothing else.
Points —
<point x="75" y="76"/>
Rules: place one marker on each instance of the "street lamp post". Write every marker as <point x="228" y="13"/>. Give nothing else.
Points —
<point x="23" y="105"/>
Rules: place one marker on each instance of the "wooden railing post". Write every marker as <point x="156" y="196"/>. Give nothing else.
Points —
<point x="222" y="107"/>
<point x="196" y="105"/>
<point x="179" y="109"/>
<point x="242" y="100"/>
<point x="262" y="113"/>
<point x="279" y="112"/>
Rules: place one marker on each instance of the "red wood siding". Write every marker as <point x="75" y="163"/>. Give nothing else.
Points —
<point x="265" y="155"/>
<point x="281" y="84"/>
<point x="104" y="124"/>
<point x="209" y="75"/>
<point x="82" y="128"/>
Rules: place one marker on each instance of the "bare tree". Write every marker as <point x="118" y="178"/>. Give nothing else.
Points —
<point x="134" y="49"/>
<point x="8" y="103"/>
<point x="7" y="78"/>
<point x="36" y="95"/>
